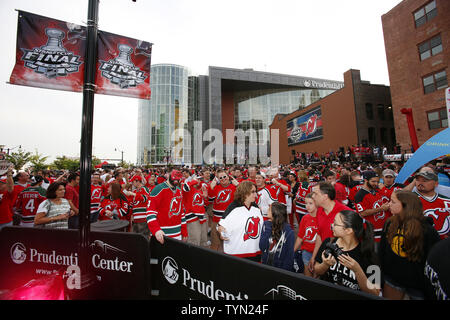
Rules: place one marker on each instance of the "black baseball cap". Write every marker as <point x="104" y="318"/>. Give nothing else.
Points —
<point x="367" y="175"/>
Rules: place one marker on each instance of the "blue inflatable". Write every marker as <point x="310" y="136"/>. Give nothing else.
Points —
<point x="437" y="146"/>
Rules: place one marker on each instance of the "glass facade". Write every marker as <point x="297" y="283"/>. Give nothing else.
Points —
<point x="173" y="107"/>
<point x="256" y="109"/>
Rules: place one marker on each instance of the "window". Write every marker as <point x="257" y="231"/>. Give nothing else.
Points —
<point x="372" y="137"/>
<point x="369" y="111"/>
<point x="437" y="118"/>
<point x="430" y="47"/>
<point x="425" y="13"/>
<point x="434" y="82"/>
<point x="380" y="110"/>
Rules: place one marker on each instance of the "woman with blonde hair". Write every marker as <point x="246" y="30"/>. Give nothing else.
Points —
<point x="405" y="243"/>
<point x="240" y="228"/>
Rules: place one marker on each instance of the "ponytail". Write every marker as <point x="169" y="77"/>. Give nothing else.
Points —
<point x="363" y="230"/>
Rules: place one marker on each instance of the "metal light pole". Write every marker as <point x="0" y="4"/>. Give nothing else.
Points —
<point x="86" y="146"/>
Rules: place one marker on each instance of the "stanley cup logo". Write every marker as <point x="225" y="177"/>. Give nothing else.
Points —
<point x="121" y="70"/>
<point x="124" y="55"/>
<point x="54" y="43"/>
<point x="52" y="59"/>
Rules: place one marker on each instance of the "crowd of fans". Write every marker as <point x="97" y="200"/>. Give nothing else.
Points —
<point x="337" y="218"/>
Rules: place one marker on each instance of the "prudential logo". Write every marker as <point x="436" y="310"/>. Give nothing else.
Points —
<point x="170" y="270"/>
<point x="18" y="253"/>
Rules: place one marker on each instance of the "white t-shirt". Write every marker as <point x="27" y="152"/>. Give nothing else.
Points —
<point x="243" y="229"/>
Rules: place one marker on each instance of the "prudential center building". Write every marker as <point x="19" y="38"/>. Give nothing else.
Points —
<point x="183" y="106"/>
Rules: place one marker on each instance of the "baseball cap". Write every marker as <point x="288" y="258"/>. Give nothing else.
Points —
<point x="136" y="178"/>
<point x="367" y="175"/>
<point x="176" y="175"/>
<point x="388" y="172"/>
<point x="428" y="175"/>
<point x="36" y="179"/>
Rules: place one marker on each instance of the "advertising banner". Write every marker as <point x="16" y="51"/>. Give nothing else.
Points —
<point x="51" y="54"/>
<point x="118" y="260"/>
<point x="305" y="128"/>
<point x="447" y="99"/>
<point x="185" y="272"/>
<point x="123" y="66"/>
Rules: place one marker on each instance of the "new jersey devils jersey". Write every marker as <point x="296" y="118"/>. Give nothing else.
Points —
<point x="222" y="198"/>
<point x="96" y="198"/>
<point x="194" y="202"/>
<point x="365" y="200"/>
<point x="438" y="208"/>
<point x="166" y="211"/>
<point x="27" y="203"/>
<point x="264" y="199"/>
<point x="300" y="203"/>
<point x="243" y="229"/>
<point x="140" y="204"/>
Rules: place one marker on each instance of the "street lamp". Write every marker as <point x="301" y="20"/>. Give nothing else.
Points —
<point x="116" y="149"/>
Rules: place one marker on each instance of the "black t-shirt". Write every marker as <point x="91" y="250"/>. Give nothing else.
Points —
<point x="437" y="270"/>
<point x="338" y="273"/>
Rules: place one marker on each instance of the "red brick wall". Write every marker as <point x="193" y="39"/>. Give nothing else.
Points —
<point x="406" y="70"/>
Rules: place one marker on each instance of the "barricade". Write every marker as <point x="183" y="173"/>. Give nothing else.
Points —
<point x="127" y="266"/>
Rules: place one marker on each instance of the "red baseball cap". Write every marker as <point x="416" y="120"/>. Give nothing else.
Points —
<point x="176" y="175"/>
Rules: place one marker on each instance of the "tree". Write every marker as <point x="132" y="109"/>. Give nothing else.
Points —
<point x="64" y="163"/>
<point x="19" y="158"/>
<point x="38" y="161"/>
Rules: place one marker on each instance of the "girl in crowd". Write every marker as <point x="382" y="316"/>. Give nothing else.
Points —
<point x="404" y="246"/>
<point x="306" y="237"/>
<point x="348" y="259"/>
<point x="277" y="239"/>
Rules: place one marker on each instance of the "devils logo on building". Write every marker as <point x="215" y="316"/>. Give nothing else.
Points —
<point x="251" y="228"/>
<point x="306" y="127"/>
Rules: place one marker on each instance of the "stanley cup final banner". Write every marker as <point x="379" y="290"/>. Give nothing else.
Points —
<point x="51" y="54"/>
<point x="123" y="66"/>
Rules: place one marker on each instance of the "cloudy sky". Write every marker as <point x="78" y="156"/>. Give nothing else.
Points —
<point x="321" y="39"/>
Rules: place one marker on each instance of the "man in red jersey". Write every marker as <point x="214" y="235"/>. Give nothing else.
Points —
<point x="221" y="193"/>
<point x="165" y="212"/>
<point x="194" y="196"/>
<point x="434" y="205"/>
<point x="370" y="204"/>
<point x="96" y="196"/>
<point x="324" y="195"/>
<point x="6" y="198"/>
<point x="28" y="202"/>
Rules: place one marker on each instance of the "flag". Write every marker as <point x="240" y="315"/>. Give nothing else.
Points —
<point x="51" y="54"/>
<point x="123" y="66"/>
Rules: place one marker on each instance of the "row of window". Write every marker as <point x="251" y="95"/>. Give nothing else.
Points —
<point x="430" y="48"/>
<point x="383" y="112"/>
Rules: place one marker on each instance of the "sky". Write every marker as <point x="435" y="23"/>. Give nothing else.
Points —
<point x="319" y="39"/>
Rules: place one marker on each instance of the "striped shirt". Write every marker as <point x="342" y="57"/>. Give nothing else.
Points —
<point x="52" y="209"/>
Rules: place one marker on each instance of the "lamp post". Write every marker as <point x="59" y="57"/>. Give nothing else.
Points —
<point x="116" y="149"/>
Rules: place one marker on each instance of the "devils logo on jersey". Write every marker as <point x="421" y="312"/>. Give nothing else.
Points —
<point x="251" y="228"/>
<point x="223" y="196"/>
<point x="175" y="206"/>
<point x="198" y="200"/>
<point x="441" y="220"/>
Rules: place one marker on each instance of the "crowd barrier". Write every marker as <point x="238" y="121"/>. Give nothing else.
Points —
<point x="127" y="266"/>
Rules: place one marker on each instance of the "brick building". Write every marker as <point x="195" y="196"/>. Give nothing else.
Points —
<point x="417" y="41"/>
<point x="358" y="113"/>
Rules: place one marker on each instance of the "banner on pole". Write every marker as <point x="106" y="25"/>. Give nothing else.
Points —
<point x="123" y="66"/>
<point x="50" y="54"/>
